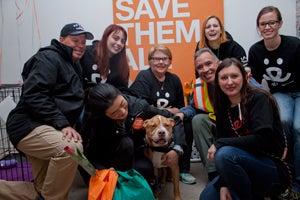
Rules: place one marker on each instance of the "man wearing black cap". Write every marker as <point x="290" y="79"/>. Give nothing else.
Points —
<point x="42" y="123"/>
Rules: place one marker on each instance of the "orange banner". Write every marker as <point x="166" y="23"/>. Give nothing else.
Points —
<point x="174" y="23"/>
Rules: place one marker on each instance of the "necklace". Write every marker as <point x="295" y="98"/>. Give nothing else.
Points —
<point x="230" y="120"/>
<point x="285" y="149"/>
<point x="161" y="84"/>
<point x="160" y="81"/>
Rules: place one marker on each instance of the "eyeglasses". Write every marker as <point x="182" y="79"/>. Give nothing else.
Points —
<point x="158" y="59"/>
<point x="270" y="23"/>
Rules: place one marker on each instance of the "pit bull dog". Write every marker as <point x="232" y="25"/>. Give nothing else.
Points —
<point x="158" y="139"/>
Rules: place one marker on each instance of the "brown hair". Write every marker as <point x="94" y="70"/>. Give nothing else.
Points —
<point x="102" y="58"/>
<point x="221" y="99"/>
<point x="268" y="9"/>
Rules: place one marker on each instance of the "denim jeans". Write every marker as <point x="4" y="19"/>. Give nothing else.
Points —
<point x="289" y="107"/>
<point x="254" y="83"/>
<point x="246" y="175"/>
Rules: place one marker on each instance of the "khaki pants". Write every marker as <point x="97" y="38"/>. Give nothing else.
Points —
<point x="53" y="169"/>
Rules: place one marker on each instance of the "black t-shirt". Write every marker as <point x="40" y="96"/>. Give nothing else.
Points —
<point x="159" y="94"/>
<point x="260" y="130"/>
<point x="229" y="49"/>
<point x="280" y="67"/>
<point x="91" y="75"/>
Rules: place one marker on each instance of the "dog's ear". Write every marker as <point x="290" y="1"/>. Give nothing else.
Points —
<point x="171" y="121"/>
<point x="145" y="123"/>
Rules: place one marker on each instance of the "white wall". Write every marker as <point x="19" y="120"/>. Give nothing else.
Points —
<point x="95" y="15"/>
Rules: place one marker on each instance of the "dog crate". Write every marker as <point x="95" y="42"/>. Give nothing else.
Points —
<point x="14" y="166"/>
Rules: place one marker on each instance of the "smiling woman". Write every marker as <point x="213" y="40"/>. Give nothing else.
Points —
<point x="105" y="61"/>
<point x="159" y="87"/>
<point x="163" y="90"/>
<point x="275" y="59"/>
<point x="115" y="138"/>
<point x="250" y="147"/>
<point x="214" y="36"/>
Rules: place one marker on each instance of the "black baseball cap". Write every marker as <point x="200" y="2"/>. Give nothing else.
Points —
<point x="75" y="29"/>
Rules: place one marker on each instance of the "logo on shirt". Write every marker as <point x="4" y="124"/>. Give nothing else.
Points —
<point x="275" y="74"/>
<point x="162" y="101"/>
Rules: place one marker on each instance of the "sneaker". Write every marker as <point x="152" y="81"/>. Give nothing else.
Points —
<point x="187" y="178"/>
<point x="284" y="195"/>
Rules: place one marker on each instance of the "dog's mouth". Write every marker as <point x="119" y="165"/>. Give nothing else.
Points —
<point x="160" y="142"/>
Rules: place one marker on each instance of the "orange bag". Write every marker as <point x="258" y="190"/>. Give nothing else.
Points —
<point x="102" y="185"/>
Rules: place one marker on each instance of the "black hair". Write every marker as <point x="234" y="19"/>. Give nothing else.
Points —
<point x="101" y="97"/>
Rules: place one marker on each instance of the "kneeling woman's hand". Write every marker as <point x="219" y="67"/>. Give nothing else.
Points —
<point x="211" y="153"/>
<point x="225" y="194"/>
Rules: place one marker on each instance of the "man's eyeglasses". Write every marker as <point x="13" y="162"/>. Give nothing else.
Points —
<point x="270" y="23"/>
<point x="158" y="59"/>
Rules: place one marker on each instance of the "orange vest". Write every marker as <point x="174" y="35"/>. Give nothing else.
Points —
<point x="201" y="98"/>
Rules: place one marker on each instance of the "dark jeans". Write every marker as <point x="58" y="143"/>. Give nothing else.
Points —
<point x="246" y="175"/>
<point x="185" y="159"/>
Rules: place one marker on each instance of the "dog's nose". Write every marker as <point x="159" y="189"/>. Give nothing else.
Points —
<point x="161" y="133"/>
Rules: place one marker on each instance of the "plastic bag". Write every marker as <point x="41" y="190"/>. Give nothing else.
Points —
<point x="132" y="185"/>
<point x="102" y="185"/>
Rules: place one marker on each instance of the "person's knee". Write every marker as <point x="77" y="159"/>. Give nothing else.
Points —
<point x="77" y="145"/>
<point x="199" y="119"/>
<point x="126" y="146"/>
<point x="286" y="122"/>
<point x="223" y="155"/>
<point x="296" y="130"/>
<point x="145" y="167"/>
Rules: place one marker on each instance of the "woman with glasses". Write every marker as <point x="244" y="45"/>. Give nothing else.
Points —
<point x="159" y="87"/>
<point x="276" y="59"/>
<point x="163" y="90"/>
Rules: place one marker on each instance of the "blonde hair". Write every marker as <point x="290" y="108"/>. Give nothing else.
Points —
<point x="203" y="42"/>
<point x="161" y="48"/>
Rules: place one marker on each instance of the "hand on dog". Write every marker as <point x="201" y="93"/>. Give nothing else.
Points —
<point x="173" y="110"/>
<point x="170" y="158"/>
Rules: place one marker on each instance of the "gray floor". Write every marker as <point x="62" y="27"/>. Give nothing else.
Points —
<point x="188" y="192"/>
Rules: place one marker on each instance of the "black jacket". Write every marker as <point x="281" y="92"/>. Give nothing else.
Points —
<point x="52" y="92"/>
<point x="104" y="130"/>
